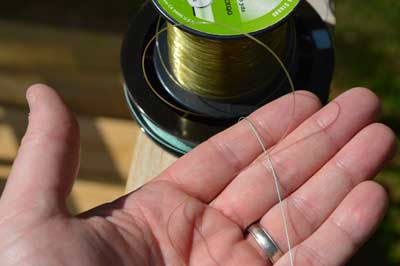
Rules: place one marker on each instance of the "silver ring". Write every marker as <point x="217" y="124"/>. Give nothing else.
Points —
<point x="265" y="242"/>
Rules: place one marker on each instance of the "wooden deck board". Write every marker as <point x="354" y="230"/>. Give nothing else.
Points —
<point x="82" y="66"/>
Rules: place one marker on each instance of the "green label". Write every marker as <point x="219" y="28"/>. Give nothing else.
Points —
<point x="227" y="17"/>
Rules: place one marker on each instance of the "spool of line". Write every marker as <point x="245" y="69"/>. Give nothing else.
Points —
<point x="206" y="63"/>
<point x="191" y="98"/>
<point x="224" y="69"/>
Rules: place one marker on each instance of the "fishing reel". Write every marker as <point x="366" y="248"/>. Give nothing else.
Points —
<point x="178" y="119"/>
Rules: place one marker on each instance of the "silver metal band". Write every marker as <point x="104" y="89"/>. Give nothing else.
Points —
<point x="265" y="242"/>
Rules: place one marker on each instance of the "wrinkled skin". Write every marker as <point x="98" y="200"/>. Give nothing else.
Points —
<point x="195" y="212"/>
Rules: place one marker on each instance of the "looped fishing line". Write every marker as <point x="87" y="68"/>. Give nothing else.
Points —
<point x="224" y="69"/>
<point x="252" y="127"/>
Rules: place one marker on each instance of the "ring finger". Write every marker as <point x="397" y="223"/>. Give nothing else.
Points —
<point x="308" y="207"/>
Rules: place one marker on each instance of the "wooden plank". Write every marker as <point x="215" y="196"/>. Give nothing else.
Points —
<point x="325" y="9"/>
<point x="82" y="66"/>
<point x="106" y="150"/>
<point x="148" y="161"/>
<point x="92" y="14"/>
<point x="87" y="194"/>
<point x="107" y="146"/>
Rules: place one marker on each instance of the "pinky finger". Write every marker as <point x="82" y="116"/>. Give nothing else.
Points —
<point x="345" y="231"/>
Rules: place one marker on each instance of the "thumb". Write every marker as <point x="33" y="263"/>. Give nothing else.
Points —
<point x="44" y="169"/>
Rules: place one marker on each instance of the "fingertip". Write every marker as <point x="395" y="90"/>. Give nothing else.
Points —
<point x="361" y="212"/>
<point x="41" y="93"/>
<point x="39" y="87"/>
<point x="375" y="191"/>
<point x="388" y="137"/>
<point x="368" y="94"/>
<point x="376" y="201"/>
<point x="301" y="103"/>
<point x="49" y="112"/>
<point x="364" y="90"/>
<point x="365" y="97"/>
<point x="371" y="201"/>
<point x="311" y="96"/>
<point x="34" y="92"/>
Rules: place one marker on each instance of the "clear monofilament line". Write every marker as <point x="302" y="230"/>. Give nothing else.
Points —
<point x="265" y="151"/>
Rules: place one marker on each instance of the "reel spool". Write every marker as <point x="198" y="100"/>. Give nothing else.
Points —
<point x="178" y="119"/>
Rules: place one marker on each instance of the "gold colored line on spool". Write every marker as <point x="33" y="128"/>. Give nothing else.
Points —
<point x="261" y="44"/>
<point x="224" y="69"/>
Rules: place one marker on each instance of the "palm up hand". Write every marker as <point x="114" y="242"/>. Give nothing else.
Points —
<point x="196" y="211"/>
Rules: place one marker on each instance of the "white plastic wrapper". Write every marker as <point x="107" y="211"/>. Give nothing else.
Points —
<point x="326" y="9"/>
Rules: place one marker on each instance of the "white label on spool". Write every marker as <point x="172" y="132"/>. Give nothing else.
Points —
<point x="200" y="3"/>
<point x="205" y="13"/>
<point x="244" y="15"/>
<point x="252" y="9"/>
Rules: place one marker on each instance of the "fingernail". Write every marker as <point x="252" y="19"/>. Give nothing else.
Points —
<point x="31" y="97"/>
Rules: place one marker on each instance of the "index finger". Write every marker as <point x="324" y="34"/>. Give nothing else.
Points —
<point x="210" y="167"/>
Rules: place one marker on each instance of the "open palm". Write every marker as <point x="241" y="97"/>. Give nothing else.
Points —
<point x="196" y="212"/>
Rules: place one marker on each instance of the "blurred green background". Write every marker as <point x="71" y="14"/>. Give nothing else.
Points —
<point x="367" y="54"/>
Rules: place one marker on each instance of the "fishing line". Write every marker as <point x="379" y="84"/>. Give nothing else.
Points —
<point x="252" y="127"/>
<point x="276" y="183"/>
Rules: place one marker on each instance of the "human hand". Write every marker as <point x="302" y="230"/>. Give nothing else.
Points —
<point x="196" y="211"/>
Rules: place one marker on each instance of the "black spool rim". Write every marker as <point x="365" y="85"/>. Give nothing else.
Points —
<point x="315" y="70"/>
<point x="155" y="135"/>
<point x="187" y="29"/>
